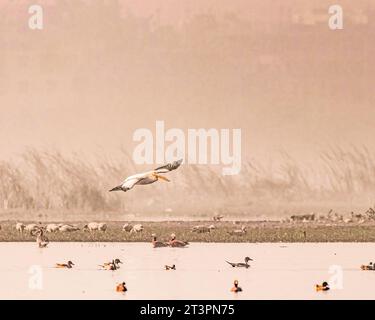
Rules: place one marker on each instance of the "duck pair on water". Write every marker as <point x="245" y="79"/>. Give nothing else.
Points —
<point x="122" y="287"/>
<point x="113" y="265"/>
<point x="173" y="242"/>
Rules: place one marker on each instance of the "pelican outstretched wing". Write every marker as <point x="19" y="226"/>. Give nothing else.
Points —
<point x="146" y="177"/>
<point x="169" y="167"/>
<point x="128" y="184"/>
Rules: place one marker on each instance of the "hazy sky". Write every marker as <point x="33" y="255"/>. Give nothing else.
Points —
<point x="100" y="70"/>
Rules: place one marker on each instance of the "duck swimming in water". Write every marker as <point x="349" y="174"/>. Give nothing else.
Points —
<point x="236" y="288"/>
<point x="110" y="266"/>
<point x="121" y="287"/>
<point x="370" y="266"/>
<point x="241" y="264"/>
<point x="177" y="243"/>
<point x="173" y="267"/>
<point x="323" y="287"/>
<point x="113" y="265"/>
<point x="158" y="244"/>
<point x="65" y="265"/>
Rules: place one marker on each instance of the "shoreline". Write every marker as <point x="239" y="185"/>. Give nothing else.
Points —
<point x="257" y="232"/>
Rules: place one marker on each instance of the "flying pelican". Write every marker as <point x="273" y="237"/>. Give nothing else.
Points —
<point x="147" y="177"/>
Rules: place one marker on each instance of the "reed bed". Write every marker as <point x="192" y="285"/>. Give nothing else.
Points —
<point x="40" y="181"/>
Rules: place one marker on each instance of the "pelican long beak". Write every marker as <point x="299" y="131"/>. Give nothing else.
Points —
<point x="118" y="188"/>
<point x="162" y="178"/>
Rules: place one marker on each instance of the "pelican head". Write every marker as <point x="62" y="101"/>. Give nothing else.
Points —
<point x="70" y="263"/>
<point x="158" y="176"/>
<point x="117" y="261"/>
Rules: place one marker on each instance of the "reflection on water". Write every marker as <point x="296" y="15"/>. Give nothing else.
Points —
<point x="279" y="271"/>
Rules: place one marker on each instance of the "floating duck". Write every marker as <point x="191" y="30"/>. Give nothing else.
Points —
<point x="147" y="177"/>
<point x="323" y="287"/>
<point x="121" y="287"/>
<point x="236" y="288"/>
<point x="158" y="244"/>
<point x="65" y="265"/>
<point x="241" y="264"/>
<point x="370" y="266"/>
<point x="177" y="243"/>
<point x="113" y="265"/>
<point x="173" y="267"/>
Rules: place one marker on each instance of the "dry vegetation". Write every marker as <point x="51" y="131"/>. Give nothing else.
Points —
<point x="44" y="183"/>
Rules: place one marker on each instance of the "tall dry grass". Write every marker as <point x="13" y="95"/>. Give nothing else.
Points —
<point x="52" y="181"/>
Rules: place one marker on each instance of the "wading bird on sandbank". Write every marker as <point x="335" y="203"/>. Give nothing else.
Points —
<point x="41" y="240"/>
<point x="147" y="177"/>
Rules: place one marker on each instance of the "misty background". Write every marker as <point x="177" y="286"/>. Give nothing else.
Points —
<point x="72" y="94"/>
